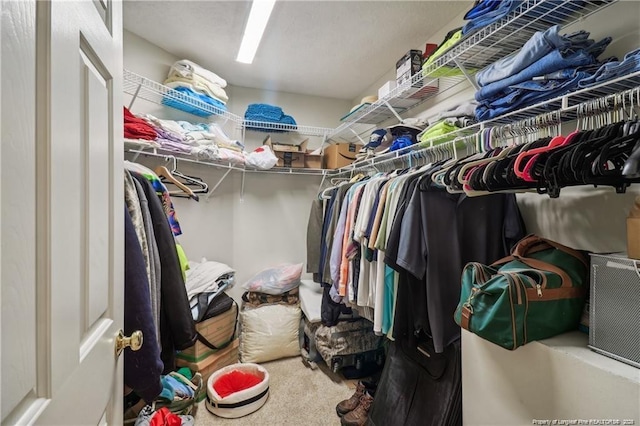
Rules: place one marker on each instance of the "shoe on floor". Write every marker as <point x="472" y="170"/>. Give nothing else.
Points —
<point x="350" y="404"/>
<point x="358" y="417"/>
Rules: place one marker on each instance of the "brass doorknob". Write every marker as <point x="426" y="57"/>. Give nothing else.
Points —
<point x="134" y="341"/>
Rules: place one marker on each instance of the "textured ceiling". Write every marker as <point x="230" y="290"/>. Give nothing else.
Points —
<point x="326" y="48"/>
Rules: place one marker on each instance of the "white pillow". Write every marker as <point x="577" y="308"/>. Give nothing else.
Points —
<point x="269" y="332"/>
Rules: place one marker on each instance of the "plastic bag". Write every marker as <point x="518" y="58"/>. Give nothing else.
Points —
<point x="276" y="280"/>
<point x="262" y="158"/>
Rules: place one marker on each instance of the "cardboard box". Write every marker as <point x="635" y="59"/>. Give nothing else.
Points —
<point x="340" y="155"/>
<point x="214" y="362"/>
<point x="217" y="330"/>
<point x="312" y="161"/>
<point x="633" y="237"/>
<point x="408" y="66"/>
<point x="386" y="88"/>
<point x="288" y="155"/>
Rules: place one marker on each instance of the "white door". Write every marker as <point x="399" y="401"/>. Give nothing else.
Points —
<point x="61" y="213"/>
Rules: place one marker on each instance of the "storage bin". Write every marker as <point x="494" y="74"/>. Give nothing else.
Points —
<point x="217" y="330"/>
<point x="614" y="316"/>
<point x="213" y="362"/>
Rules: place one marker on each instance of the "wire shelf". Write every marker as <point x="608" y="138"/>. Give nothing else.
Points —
<point x="149" y="90"/>
<point x="566" y="107"/>
<point x="475" y="52"/>
<point x="165" y="153"/>
<point x="264" y="126"/>
<point x="507" y="35"/>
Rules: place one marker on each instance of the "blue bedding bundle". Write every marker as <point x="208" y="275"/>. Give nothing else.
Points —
<point x="269" y="114"/>
<point x="172" y="99"/>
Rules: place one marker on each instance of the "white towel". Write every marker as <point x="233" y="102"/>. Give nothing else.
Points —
<point x="187" y="68"/>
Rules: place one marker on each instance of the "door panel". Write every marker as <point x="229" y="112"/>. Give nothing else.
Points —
<point x="67" y="297"/>
<point x="95" y="143"/>
<point x="17" y="227"/>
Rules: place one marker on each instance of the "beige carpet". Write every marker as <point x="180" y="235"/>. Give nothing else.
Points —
<point x="297" y="396"/>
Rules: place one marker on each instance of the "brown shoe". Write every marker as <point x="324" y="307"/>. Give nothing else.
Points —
<point x="358" y="417"/>
<point x="350" y="404"/>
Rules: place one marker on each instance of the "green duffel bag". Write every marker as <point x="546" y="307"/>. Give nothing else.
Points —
<point x="536" y="293"/>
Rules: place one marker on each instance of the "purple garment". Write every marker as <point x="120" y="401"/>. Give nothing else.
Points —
<point x="168" y="135"/>
<point x="336" y="250"/>
<point x="174" y="146"/>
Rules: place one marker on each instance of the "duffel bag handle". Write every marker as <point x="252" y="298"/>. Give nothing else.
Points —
<point x="534" y="243"/>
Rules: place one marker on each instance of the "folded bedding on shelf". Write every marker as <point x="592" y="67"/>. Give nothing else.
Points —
<point x="267" y="113"/>
<point x="215" y="153"/>
<point x="168" y="125"/>
<point x="198" y="84"/>
<point x="186" y="68"/>
<point x="174" y="98"/>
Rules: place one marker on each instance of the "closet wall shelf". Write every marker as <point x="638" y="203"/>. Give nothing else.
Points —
<point x="567" y="108"/>
<point x="473" y="53"/>
<point x="149" y="90"/>
<point x="262" y="126"/>
<point x="182" y="157"/>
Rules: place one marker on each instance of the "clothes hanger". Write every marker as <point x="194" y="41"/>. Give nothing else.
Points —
<point x="202" y="186"/>
<point x="166" y="177"/>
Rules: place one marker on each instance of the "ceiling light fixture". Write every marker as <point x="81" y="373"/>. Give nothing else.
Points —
<point x="257" y="22"/>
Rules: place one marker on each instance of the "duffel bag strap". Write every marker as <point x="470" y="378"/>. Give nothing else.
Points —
<point x="548" y="267"/>
<point x="533" y="243"/>
<point x="210" y="345"/>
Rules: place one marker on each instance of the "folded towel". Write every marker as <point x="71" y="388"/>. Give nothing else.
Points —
<point x="263" y="112"/>
<point x="172" y="99"/>
<point x="186" y="68"/>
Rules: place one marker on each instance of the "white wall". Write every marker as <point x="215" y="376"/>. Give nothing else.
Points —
<point x="268" y="224"/>
<point x="555" y="379"/>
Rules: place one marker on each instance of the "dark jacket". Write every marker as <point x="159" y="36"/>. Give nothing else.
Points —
<point x="177" y="328"/>
<point x="142" y="368"/>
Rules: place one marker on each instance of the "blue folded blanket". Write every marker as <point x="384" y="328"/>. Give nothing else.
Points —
<point x="173" y="99"/>
<point x="269" y="114"/>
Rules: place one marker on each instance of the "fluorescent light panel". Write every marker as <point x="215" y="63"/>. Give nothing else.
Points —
<point x="257" y="22"/>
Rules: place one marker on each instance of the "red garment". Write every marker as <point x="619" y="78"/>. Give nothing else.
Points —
<point x="137" y="128"/>
<point x="164" y="417"/>
<point x="235" y="381"/>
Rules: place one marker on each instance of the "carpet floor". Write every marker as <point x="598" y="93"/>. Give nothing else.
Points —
<point x="297" y="396"/>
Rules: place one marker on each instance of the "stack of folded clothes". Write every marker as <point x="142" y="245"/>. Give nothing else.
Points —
<point x="448" y="121"/>
<point x="269" y="114"/>
<point x="191" y="80"/>
<point x="204" y="281"/>
<point x="547" y="66"/>
<point x="204" y="140"/>
<point x="614" y="69"/>
<point x="136" y="128"/>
